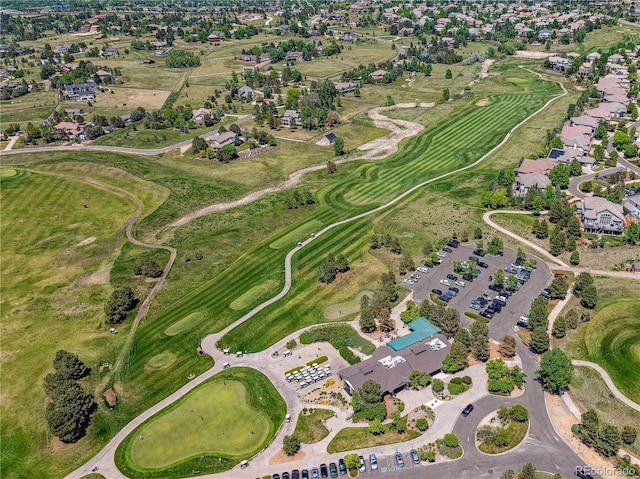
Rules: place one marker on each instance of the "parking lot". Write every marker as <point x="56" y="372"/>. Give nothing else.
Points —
<point x="518" y="304"/>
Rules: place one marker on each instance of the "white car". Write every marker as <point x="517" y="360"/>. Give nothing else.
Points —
<point x="442" y="254"/>
<point x="422" y="269"/>
<point x="445" y="281"/>
<point x="460" y="283"/>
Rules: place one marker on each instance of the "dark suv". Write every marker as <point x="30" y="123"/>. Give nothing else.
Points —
<point x="452" y="277"/>
<point x="324" y="472"/>
<point x="466" y="411"/>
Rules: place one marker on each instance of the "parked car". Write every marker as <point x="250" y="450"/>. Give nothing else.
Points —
<point x="305" y="474"/>
<point x="487" y="314"/>
<point x="373" y="461"/>
<point x="475" y="305"/>
<point x="399" y="460"/>
<point x="474" y="258"/>
<point x="436" y="291"/>
<point x="275" y="476"/>
<point x="295" y="474"/>
<point x="478" y="252"/>
<point x="285" y="475"/>
<point x="467" y="410"/>
<point x="510" y="270"/>
<point x="447" y="249"/>
<point x="442" y="254"/>
<point x="315" y="474"/>
<point x="454" y="289"/>
<point x="422" y="269"/>
<point x="493" y="287"/>
<point x="454" y="243"/>
<point x="482" y="264"/>
<point x="342" y="466"/>
<point x="324" y="472"/>
<point x="460" y="283"/>
<point x="333" y="470"/>
<point x="581" y="474"/>
<point x="414" y="456"/>
<point x="362" y="467"/>
<point x="452" y="277"/>
<point x="445" y="281"/>
<point x="445" y="297"/>
<point x="467" y="277"/>
<point x="523" y="320"/>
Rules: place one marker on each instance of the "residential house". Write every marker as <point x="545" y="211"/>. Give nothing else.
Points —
<point x="616" y="110"/>
<point x="377" y="75"/>
<point x="598" y="113"/>
<point x="564" y="156"/>
<point x="423" y="349"/>
<point x="293" y="56"/>
<point x="406" y="32"/>
<point x="110" y="52"/>
<point x="62" y="49"/>
<point x="80" y="91"/>
<point x="74" y="112"/>
<point x="529" y="180"/>
<point x="586" y="69"/>
<point x="560" y="63"/>
<point x="327" y="139"/>
<point x="569" y="130"/>
<point x="545" y="34"/>
<point x="104" y="75"/>
<point x="126" y="118"/>
<point x="291" y="117"/>
<point x="243" y="57"/>
<point x="348" y="37"/>
<point x="218" y="140"/>
<point x="585" y="120"/>
<point x="593" y="56"/>
<point x="631" y="205"/>
<point x="616" y="59"/>
<point x="577" y="142"/>
<point x="72" y="129"/>
<point x="245" y="91"/>
<point x="542" y="166"/>
<point x="213" y="38"/>
<point x="199" y="114"/>
<point x="600" y="215"/>
<point x="345" y="87"/>
<point x="313" y="99"/>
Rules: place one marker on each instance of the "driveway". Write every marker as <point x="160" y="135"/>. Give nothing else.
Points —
<point x="517" y="305"/>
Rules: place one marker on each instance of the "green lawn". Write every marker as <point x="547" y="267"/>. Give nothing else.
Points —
<point x="310" y="427"/>
<point x="341" y="310"/>
<point x="516" y="431"/>
<point x="612" y="337"/>
<point x="351" y="438"/>
<point x="53" y="296"/>
<point x="589" y="391"/>
<point x="231" y="417"/>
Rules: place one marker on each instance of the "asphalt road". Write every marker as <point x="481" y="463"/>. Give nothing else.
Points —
<point x="576" y="180"/>
<point x="517" y="305"/>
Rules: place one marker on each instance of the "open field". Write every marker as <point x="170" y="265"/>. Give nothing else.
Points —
<point x="53" y="293"/>
<point x="612" y="337"/>
<point x="310" y="427"/>
<point x="589" y="391"/>
<point x="227" y="419"/>
<point x="352" y="438"/>
<point x="341" y="310"/>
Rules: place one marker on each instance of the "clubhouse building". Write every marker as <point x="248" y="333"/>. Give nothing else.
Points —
<point x="423" y="349"/>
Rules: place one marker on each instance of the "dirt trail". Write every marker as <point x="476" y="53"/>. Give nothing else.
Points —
<point x="375" y="150"/>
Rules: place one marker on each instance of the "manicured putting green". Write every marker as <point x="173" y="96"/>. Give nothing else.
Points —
<point x="160" y="360"/>
<point x="214" y="419"/>
<point x="340" y="310"/>
<point x="251" y="296"/>
<point x="612" y="339"/>
<point x="7" y="172"/>
<point x="292" y="238"/>
<point x="184" y="324"/>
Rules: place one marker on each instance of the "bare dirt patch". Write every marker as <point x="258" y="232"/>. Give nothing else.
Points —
<point x="87" y="241"/>
<point x="532" y="55"/>
<point x="483" y="102"/>
<point x="281" y="458"/>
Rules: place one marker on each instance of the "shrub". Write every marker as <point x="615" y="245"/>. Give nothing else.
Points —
<point x="437" y="385"/>
<point x="451" y="440"/>
<point x="456" y="381"/>
<point x="291" y="344"/>
<point x="431" y="455"/>
<point x="457" y="388"/>
<point x="466" y="379"/>
<point x="348" y="356"/>
<point x="339" y="335"/>
<point x="519" y="413"/>
<point x="422" y="424"/>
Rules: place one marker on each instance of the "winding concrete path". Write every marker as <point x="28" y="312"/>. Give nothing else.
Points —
<point x="105" y="458"/>
<point x="610" y="384"/>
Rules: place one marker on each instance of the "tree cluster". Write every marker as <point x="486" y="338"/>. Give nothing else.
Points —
<point x="121" y="302"/>
<point x="147" y="268"/>
<point x="584" y="289"/>
<point x="331" y="267"/>
<point x="368" y="401"/>
<point x="604" y="437"/>
<point x="502" y="378"/>
<point x="387" y="241"/>
<point x="379" y="305"/>
<point x="298" y="198"/>
<point x="69" y="413"/>
<point x="556" y="370"/>
<point x="182" y="59"/>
